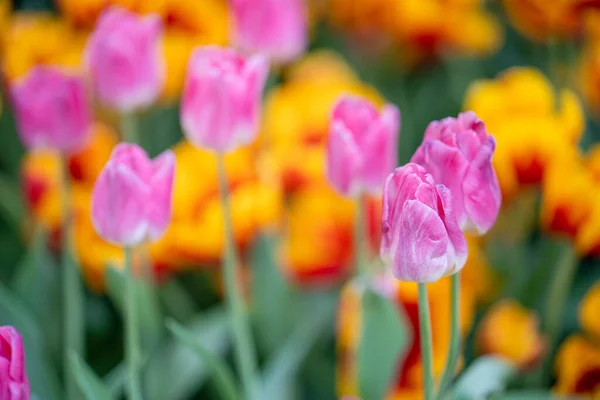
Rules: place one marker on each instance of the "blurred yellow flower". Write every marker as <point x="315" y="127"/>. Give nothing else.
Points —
<point x="577" y="366"/>
<point x="296" y="119"/>
<point x="478" y="274"/>
<point x="39" y="38"/>
<point x="511" y="331"/>
<point x="518" y="109"/>
<point x="589" y="74"/>
<point x="589" y="311"/>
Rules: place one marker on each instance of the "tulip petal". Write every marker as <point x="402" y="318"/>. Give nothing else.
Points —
<point x="119" y="202"/>
<point x="160" y="207"/>
<point x="456" y="236"/>
<point x="422" y="253"/>
<point x="343" y="159"/>
<point x="482" y="197"/>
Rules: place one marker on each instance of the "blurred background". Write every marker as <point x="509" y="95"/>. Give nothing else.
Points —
<point x="530" y="69"/>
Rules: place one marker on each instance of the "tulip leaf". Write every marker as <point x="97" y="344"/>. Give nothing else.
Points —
<point x="283" y="367"/>
<point x="90" y="385"/>
<point x="531" y="395"/>
<point x="383" y="342"/>
<point x="486" y="375"/>
<point x="173" y="371"/>
<point x="274" y="302"/>
<point x="150" y="315"/>
<point x="41" y="376"/>
<point x="221" y="372"/>
<point x="11" y="203"/>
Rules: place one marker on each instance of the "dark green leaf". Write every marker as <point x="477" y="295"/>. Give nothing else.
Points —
<point x="531" y="395"/>
<point x="89" y="383"/>
<point x="11" y="203"/>
<point x="384" y="340"/>
<point x="223" y="376"/>
<point x="176" y="365"/>
<point x="486" y="375"/>
<point x="42" y="376"/>
<point x="274" y="302"/>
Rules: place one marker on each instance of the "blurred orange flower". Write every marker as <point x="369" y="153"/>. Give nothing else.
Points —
<point x="296" y="118"/>
<point x="511" y="331"/>
<point x="589" y="72"/>
<point x="39" y="38"/>
<point x="518" y="108"/>
<point x="577" y="366"/>
<point x="588" y="311"/>
<point x="542" y="20"/>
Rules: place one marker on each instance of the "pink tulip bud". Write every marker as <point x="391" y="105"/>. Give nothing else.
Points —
<point x="132" y="197"/>
<point x="124" y="59"/>
<point x="458" y="153"/>
<point x="221" y="104"/>
<point x="275" y="28"/>
<point x="51" y="110"/>
<point x="14" y="384"/>
<point x="362" y="146"/>
<point x="420" y="237"/>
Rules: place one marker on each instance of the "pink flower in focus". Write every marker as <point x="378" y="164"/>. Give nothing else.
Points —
<point x="123" y="56"/>
<point x="221" y="104"/>
<point x="275" y="28"/>
<point x="362" y="145"/>
<point x="132" y="197"/>
<point x="14" y="384"/>
<point x="51" y="110"/>
<point x="420" y="237"/>
<point x="458" y="153"/>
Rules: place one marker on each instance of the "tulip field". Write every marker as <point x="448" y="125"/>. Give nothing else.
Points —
<point x="299" y="199"/>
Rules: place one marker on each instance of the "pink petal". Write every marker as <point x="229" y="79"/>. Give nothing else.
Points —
<point x="343" y="160"/>
<point x="159" y="209"/>
<point x="482" y="196"/>
<point x="119" y="201"/>
<point x="457" y="241"/>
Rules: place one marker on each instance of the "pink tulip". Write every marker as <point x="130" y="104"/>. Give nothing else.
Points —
<point x="221" y="104"/>
<point x="14" y="384"/>
<point x="132" y="197"/>
<point x="420" y="237"/>
<point x="458" y="153"/>
<point x="124" y="59"/>
<point x="362" y="146"/>
<point x="51" y="110"/>
<point x="275" y="28"/>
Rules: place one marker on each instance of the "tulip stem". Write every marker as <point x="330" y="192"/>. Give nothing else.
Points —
<point x="426" y="346"/>
<point x="73" y="298"/>
<point x="132" y="351"/>
<point x="244" y="348"/>
<point x="129" y="131"/>
<point x="361" y="249"/>
<point x="454" y="350"/>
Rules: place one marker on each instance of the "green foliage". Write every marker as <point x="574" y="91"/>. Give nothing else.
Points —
<point x="89" y="384"/>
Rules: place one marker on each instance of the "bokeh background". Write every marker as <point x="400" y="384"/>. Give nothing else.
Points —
<point x="530" y="293"/>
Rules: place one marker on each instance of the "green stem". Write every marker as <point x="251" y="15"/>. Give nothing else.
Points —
<point x="132" y="341"/>
<point x="361" y="244"/>
<point x="73" y="298"/>
<point x="129" y="131"/>
<point x="244" y="348"/>
<point x="426" y="346"/>
<point x="454" y="350"/>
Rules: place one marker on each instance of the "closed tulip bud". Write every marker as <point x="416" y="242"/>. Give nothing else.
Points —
<point x="132" y="198"/>
<point x="14" y="384"/>
<point x="221" y="104"/>
<point x="362" y="145"/>
<point x="458" y="153"/>
<point x="51" y="110"/>
<point x="124" y="60"/>
<point x="275" y="28"/>
<point x="420" y="237"/>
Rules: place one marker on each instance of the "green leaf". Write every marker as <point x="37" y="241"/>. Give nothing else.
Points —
<point x="223" y="376"/>
<point x="174" y="372"/>
<point x="275" y="306"/>
<point x="36" y="282"/>
<point x="41" y="375"/>
<point x="486" y="375"/>
<point x="384" y="340"/>
<point x="11" y="203"/>
<point x="90" y="385"/>
<point x="282" y="369"/>
<point x="150" y="315"/>
<point x="531" y="395"/>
